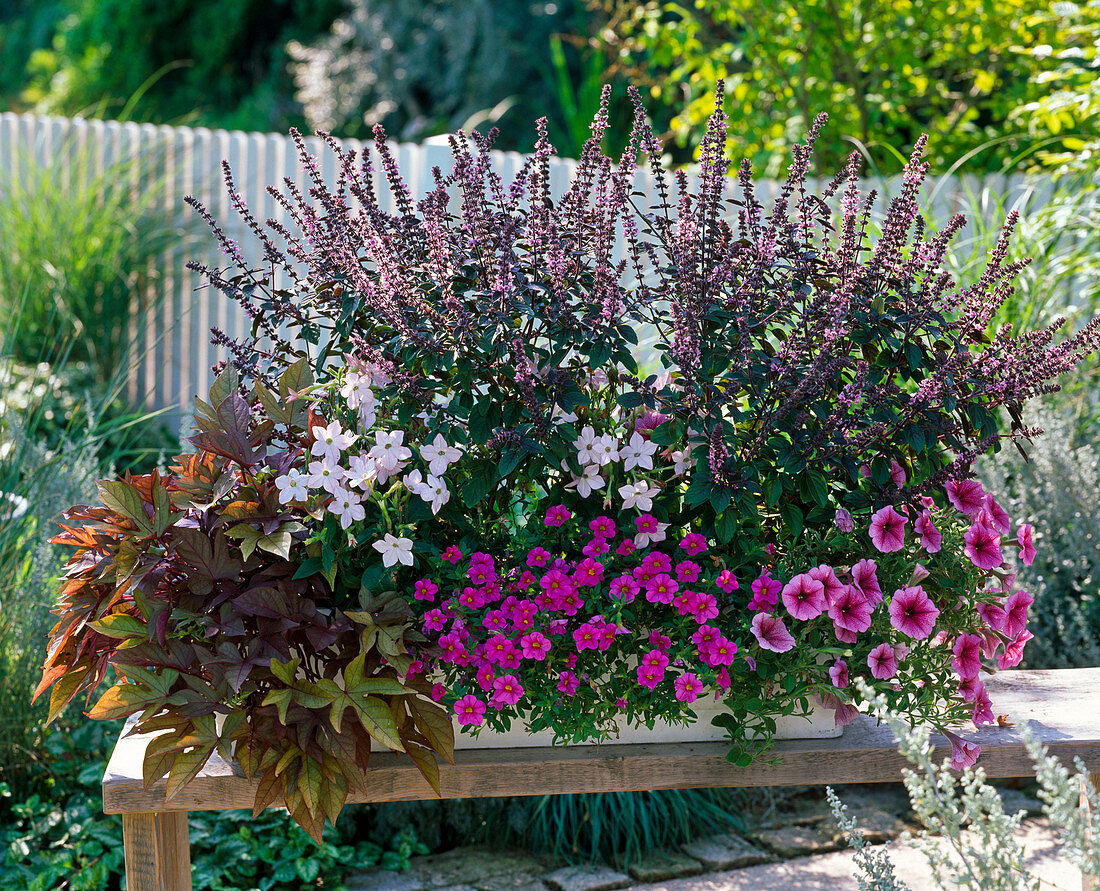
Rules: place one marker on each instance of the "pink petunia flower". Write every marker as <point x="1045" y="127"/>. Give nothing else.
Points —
<point x="983" y="546"/>
<point x="998" y="516"/>
<point x="930" y="538"/>
<point x="1016" y="607"/>
<point x="470" y="710"/>
<point x="967" y="661"/>
<point x="804" y="597"/>
<point x="843" y="521"/>
<point x="1027" y="547"/>
<point x="838" y="673"/>
<point x="535" y="645"/>
<point x="727" y="581"/>
<point x="688" y="687"/>
<point x="1014" y="651"/>
<point x="964" y="753"/>
<point x="827" y="576"/>
<point x="888" y="529"/>
<point x="913" y="613"/>
<point x="865" y="578"/>
<point x="897" y="473"/>
<point x="844" y="635"/>
<point x="557" y="515"/>
<point x="968" y="688"/>
<point x="771" y="633"/>
<point x="965" y="495"/>
<point x="851" y="611"/>
<point x="693" y="543"/>
<point x="993" y="614"/>
<point x="882" y="662"/>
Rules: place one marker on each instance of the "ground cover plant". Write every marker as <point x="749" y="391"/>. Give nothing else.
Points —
<point x="435" y="485"/>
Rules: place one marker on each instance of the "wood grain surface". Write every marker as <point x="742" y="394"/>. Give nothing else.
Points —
<point x="157" y="852"/>
<point x="1062" y="707"/>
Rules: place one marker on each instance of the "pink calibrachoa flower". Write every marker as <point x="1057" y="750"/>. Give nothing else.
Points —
<point x="604" y="527"/>
<point x="804" y="597"/>
<point x="425" y="589"/>
<point x="930" y="538"/>
<point x="1014" y="651"/>
<point x="535" y="645"/>
<point x="621" y="703"/>
<point x="586" y="637"/>
<point x="913" y="613"/>
<point x="964" y="753"/>
<point x="843" y="521"/>
<point x="967" y="661"/>
<point x="705" y="636"/>
<point x="596" y="546"/>
<point x="661" y="589"/>
<point x="624" y="588"/>
<point x="470" y="710"/>
<point x="506" y="691"/>
<point x="965" y="495"/>
<point x="727" y="581"/>
<point x="568" y="683"/>
<point x="538" y="557"/>
<point x="1016" y="607"/>
<point x="498" y="649"/>
<point x="626" y="547"/>
<point x="434" y="620"/>
<point x="704" y="607"/>
<point x="693" y="543"/>
<point x="718" y="652"/>
<point x="588" y="573"/>
<point x="983" y="546"/>
<point x="888" y="529"/>
<point x="485" y="678"/>
<point x="838" y="673"/>
<point x="882" y="662"/>
<point x="660" y="641"/>
<point x="438" y="692"/>
<point x="687" y="571"/>
<point x="771" y="633"/>
<point x="688" y="687"/>
<point x="851" y="610"/>
<point x="452" y="554"/>
<point x="998" y="517"/>
<point x="865" y="578"/>
<point x="765" y="593"/>
<point x="655" y="659"/>
<point x="1027" y="548"/>
<point x="557" y="515"/>
<point x="650" y="677"/>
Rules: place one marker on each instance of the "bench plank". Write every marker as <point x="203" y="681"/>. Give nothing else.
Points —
<point x="1063" y="708"/>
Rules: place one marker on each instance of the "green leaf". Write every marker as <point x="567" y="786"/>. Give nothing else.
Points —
<point x="121" y="626"/>
<point x="296" y="378"/>
<point x="124" y="499"/>
<point x="224" y="386"/>
<point x="792" y="516"/>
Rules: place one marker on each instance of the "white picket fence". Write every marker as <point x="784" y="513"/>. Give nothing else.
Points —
<point x="176" y="359"/>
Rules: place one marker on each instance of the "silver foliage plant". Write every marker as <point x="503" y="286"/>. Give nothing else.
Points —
<point x="1057" y="489"/>
<point x="968" y="839"/>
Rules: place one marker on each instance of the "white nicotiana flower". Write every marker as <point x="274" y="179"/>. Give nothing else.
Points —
<point x="435" y="492"/>
<point x="638" y="452"/>
<point x="347" y="505"/>
<point x="383" y="476"/>
<point x="356" y="389"/>
<point x="414" y="482"/>
<point x="331" y="441"/>
<point x="389" y="450"/>
<point x="439" y="455"/>
<point x="558" y="416"/>
<point x="325" y="475"/>
<point x="586" y="445"/>
<point x="293" y="486"/>
<point x="644" y="539"/>
<point x="607" y="449"/>
<point x="588" y="481"/>
<point x="368" y="411"/>
<point x="378" y="377"/>
<point x="361" y="472"/>
<point x="638" y="495"/>
<point x="395" y="550"/>
<point x="681" y="460"/>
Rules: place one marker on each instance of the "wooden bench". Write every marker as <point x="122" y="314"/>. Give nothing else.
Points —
<point x="1063" y="708"/>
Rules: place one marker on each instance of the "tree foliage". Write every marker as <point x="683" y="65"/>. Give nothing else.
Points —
<point x="885" y="71"/>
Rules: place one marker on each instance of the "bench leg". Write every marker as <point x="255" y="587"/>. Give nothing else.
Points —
<point x="1090" y="883"/>
<point x="158" y="851"/>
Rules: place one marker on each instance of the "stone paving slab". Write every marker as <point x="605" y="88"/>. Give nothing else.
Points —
<point x="660" y="865"/>
<point x="725" y="851"/>
<point x="797" y="841"/>
<point x="586" y="878"/>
